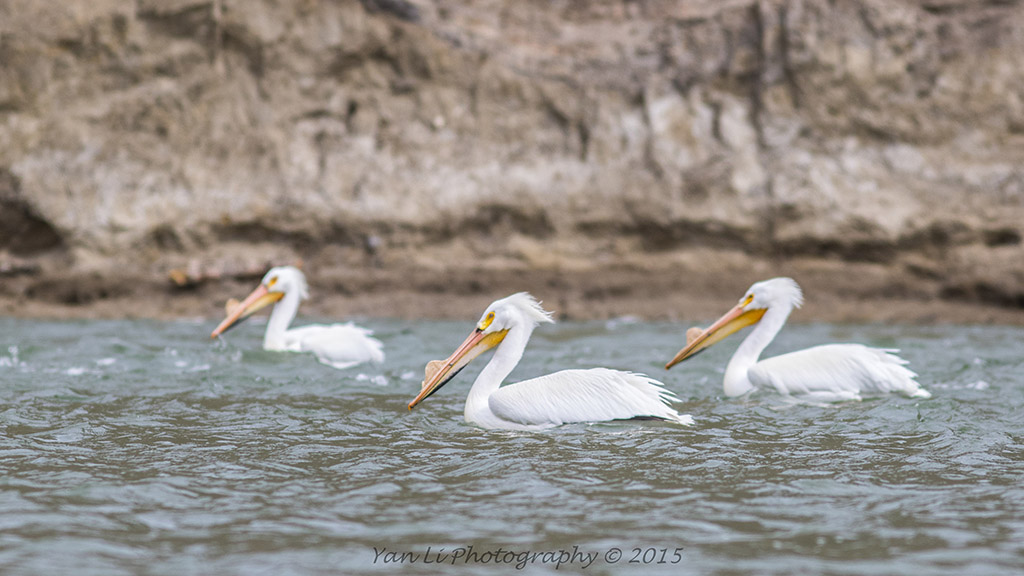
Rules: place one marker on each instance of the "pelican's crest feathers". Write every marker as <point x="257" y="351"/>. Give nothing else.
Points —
<point x="530" y="307"/>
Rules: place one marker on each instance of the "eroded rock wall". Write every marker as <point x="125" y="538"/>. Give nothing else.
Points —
<point x="704" y="136"/>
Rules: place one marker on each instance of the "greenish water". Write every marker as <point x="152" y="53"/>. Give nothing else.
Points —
<point x="144" y="448"/>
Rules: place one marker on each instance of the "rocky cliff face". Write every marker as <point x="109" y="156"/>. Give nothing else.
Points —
<point x="872" y="147"/>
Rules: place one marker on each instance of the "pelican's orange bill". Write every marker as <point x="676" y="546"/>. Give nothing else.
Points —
<point x="733" y="320"/>
<point x="260" y="298"/>
<point x="439" y="373"/>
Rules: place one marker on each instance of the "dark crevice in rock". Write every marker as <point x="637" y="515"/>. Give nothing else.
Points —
<point x="608" y="292"/>
<point x="490" y="217"/>
<point x="985" y="293"/>
<point x="258" y="232"/>
<point x="82" y="289"/>
<point x="658" y="236"/>
<point x="485" y="221"/>
<point x="788" y="69"/>
<point x="865" y="250"/>
<point x="187" y="22"/>
<point x="1001" y="237"/>
<point x="165" y="238"/>
<point x="757" y="77"/>
<point x="251" y="49"/>
<point x="23" y="232"/>
<point x="398" y="8"/>
<point x="938" y="238"/>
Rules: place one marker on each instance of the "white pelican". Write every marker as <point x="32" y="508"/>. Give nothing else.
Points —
<point x="597" y="394"/>
<point x="337" y="345"/>
<point x="829" y="373"/>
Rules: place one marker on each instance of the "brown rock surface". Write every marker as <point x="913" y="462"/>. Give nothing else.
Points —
<point x="613" y="156"/>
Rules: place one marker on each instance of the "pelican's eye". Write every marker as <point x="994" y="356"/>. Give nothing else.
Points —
<point x="271" y="282"/>
<point x="486" y="321"/>
<point x="747" y="300"/>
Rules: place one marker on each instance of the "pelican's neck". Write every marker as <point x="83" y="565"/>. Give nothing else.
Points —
<point x="505" y="359"/>
<point x="737" y="380"/>
<point x="280" y="318"/>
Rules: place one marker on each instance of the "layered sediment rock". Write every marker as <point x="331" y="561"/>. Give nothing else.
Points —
<point x="877" y="147"/>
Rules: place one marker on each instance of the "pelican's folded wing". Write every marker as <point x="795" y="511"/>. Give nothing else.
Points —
<point x="338" y="345"/>
<point x="594" y="395"/>
<point x="844" y="370"/>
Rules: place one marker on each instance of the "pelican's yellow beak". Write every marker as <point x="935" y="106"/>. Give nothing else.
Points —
<point x="476" y="344"/>
<point x="260" y="298"/>
<point x="733" y="321"/>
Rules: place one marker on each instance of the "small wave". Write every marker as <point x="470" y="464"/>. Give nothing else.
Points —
<point x="621" y="321"/>
<point x="976" y="385"/>
<point x="378" y="379"/>
<point x="11" y="361"/>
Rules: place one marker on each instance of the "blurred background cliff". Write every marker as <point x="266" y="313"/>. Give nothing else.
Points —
<point x="611" y="156"/>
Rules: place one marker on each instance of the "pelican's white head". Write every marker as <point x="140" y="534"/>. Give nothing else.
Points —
<point x="774" y="293"/>
<point x="778" y="294"/>
<point x="518" y="311"/>
<point x="286" y="279"/>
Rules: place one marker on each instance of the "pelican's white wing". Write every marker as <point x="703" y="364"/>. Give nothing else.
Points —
<point x="337" y="345"/>
<point x="591" y="395"/>
<point x="837" y="372"/>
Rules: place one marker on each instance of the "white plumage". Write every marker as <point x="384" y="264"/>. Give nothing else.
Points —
<point x="828" y="373"/>
<point x="340" y="346"/>
<point x="594" y="395"/>
<point x="337" y="345"/>
<point x="836" y="372"/>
